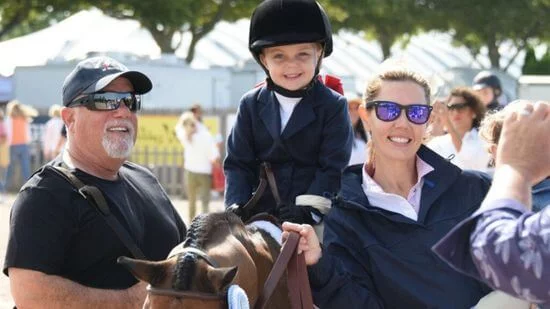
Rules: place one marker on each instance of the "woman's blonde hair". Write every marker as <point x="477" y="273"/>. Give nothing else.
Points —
<point x="54" y="111"/>
<point x="16" y="109"/>
<point x="186" y="118"/>
<point x="396" y="72"/>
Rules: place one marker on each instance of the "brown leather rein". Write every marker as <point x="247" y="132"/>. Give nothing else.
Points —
<point x="266" y="176"/>
<point x="288" y="259"/>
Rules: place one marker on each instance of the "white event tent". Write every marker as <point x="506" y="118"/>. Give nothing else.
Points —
<point x="90" y="31"/>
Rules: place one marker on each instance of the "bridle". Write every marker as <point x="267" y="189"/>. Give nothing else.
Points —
<point x="187" y="294"/>
<point x="298" y="283"/>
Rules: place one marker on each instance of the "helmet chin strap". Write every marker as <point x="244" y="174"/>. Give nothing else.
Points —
<point x="294" y="93"/>
<point x="290" y="93"/>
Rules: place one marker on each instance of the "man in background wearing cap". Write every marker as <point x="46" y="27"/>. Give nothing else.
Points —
<point x="61" y="252"/>
<point x="488" y="87"/>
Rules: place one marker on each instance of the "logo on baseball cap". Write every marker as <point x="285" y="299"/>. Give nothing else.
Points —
<point x="93" y="74"/>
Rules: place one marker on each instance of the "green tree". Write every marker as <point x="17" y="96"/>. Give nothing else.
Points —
<point x="532" y="66"/>
<point x="24" y="16"/>
<point x="168" y="20"/>
<point x="488" y="24"/>
<point x="385" y="21"/>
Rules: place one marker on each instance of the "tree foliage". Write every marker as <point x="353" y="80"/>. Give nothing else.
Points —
<point x="533" y="66"/>
<point x="480" y="25"/>
<point x="385" y="21"/>
<point x="19" y="17"/>
<point x="168" y="18"/>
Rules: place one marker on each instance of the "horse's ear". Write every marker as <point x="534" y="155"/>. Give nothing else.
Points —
<point x="221" y="277"/>
<point x="145" y="270"/>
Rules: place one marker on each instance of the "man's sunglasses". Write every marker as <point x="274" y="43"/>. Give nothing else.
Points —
<point x="390" y="111"/>
<point x="457" y="107"/>
<point x="108" y="101"/>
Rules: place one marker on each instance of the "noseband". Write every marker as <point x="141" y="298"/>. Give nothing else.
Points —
<point x="189" y="294"/>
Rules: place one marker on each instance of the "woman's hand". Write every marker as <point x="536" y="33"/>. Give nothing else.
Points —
<point x="309" y="243"/>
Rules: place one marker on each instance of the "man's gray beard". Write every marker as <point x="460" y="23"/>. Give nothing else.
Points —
<point x="118" y="148"/>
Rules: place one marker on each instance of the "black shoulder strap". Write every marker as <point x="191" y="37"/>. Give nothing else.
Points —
<point x="96" y="199"/>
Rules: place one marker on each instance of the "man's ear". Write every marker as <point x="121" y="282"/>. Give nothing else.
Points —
<point x="67" y="115"/>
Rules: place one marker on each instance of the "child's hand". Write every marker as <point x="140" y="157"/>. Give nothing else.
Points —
<point x="309" y="243"/>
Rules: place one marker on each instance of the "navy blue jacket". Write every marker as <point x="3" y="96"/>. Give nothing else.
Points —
<point x="373" y="258"/>
<point x="541" y="195"/>
<point x="308" y="157"/>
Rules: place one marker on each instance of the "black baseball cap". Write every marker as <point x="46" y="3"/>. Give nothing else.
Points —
<point x="93" y="74"/>
<point x="486" y="79"/>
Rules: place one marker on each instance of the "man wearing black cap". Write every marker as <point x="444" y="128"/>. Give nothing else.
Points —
<point x="487" y="85"/>
<point x="61" y="252"/>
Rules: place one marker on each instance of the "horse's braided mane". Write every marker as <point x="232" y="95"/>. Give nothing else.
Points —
<point x="197" y="235"/>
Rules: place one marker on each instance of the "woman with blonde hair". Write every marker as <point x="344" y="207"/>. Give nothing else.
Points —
<point x="392" y="210"/>
<point x="4" y="154"/>
<point x="19" y="117"/>
<point x="52" y="133"/>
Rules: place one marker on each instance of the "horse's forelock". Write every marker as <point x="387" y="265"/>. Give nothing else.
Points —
<point x="184" y="272"/>
<point x="198" y="233"/>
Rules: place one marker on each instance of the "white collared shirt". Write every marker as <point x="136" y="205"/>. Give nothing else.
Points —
<point x="471" y="156"/>
<point x="395" y="203"/>
<point x="199" y="152"/>
<point x="286" y="107"/>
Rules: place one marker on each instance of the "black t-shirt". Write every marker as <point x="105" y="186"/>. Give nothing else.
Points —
<point x="55" y="231"/>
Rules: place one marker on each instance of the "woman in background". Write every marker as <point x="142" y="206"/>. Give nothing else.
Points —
<point x="490" y="131"/>
<point x="4" y="154"/>
<point x="461" y="116"/>
<point x="18" y="121"/>
<point x="52" y="133"/>
<point x="359" y="146"/>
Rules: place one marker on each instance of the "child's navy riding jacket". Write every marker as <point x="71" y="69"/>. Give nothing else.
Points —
<point x="307" y="157"/>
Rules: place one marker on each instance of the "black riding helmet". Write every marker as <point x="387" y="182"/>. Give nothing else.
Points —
<point x="283" y="22"/>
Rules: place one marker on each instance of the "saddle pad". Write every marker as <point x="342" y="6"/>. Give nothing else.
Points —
<point x="270" y="228"/>
<point x="236" y="298"/>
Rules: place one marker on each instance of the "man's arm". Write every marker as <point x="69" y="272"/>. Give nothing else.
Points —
<point x="34" y="289"/>
<point x="503" y="244"/>
<point x="509" y="251"/>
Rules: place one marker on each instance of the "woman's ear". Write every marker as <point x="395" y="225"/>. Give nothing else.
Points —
<point x="492" y="149"/>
